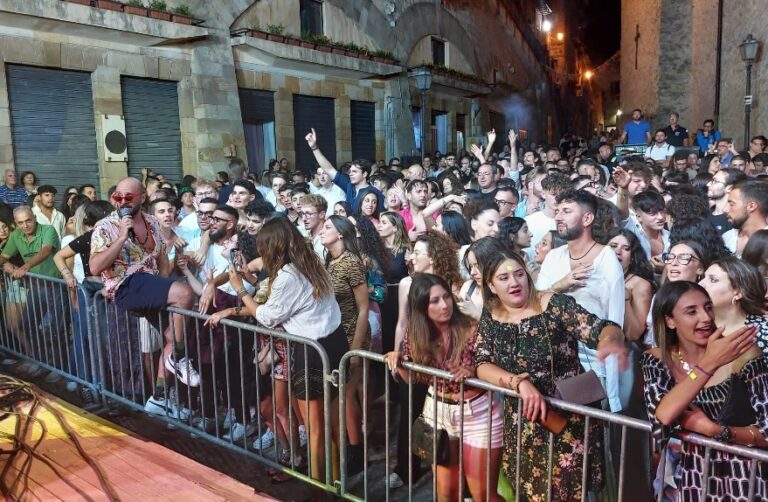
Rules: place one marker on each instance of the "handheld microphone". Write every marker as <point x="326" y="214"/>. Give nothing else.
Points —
<point x="123" y="212"/>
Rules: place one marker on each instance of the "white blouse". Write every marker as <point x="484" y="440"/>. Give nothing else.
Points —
<point x="292" y="305"/>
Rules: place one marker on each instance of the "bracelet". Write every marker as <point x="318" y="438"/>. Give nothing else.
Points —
<point x="315" y="148"/>
<point x="242" y="292"/>
<point x="515" y="380"/>
<point x="238" y="309"/>
<point x="710" y="375"/>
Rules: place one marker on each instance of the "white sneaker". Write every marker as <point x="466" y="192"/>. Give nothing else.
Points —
<point x="9" y="361"/>
<point x="238" y="432"/>
<point x="395" y="481"/>
<point x="183" y="370"/>
<point x="166" y="407"/>
<point x="265" y="441"/>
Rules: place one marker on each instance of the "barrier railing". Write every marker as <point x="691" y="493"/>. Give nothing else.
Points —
<point x="79" y="336"/>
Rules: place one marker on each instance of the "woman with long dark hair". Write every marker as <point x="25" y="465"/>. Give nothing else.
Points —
<point x="528" y="340"/>
<point x="301" y="299"/>
<point x="688" y="379"/>
<point x="638" y="280"/>
<point x="344" y="262"/>
<point x="377" y="261"/>
<point x="395" y="238"/>
<point x="441" y="337"/>
<point x="514" y="232"/>
<point x="478" y="253"/>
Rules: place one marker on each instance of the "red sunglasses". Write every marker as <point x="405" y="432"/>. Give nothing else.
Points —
<point x="120" y="198"/>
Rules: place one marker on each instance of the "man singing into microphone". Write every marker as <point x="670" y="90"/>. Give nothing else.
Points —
<point x="130" y="254"/>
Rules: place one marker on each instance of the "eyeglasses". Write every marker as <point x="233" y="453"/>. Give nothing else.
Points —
<point x="307" y="214"/>
<point x="120" y="197"/>
<point x="682" y="258"/>
<point x="500" y="202"/>
<point x="204" y="214"/>
<point x="208" y="193"/>
<point x="216" y="219"/>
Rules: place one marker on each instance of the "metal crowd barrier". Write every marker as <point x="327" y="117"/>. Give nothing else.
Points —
<point x="80" y="336"/>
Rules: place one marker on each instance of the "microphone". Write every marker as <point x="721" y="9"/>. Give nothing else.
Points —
<point x="123" y="212"/>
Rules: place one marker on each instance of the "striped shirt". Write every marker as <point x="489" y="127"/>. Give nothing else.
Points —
<point x="14" y="197"/>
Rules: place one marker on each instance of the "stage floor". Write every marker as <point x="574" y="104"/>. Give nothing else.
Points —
<point x="132" y="468"/>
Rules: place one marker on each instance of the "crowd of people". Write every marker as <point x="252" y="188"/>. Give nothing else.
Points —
<point x="525" y="266"/>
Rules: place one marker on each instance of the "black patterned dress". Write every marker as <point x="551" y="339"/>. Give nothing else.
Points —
<point x="524" y="347"/>
<point x="729" y="475"/>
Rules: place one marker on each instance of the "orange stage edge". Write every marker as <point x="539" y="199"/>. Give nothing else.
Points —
<point x="132" y="467"/>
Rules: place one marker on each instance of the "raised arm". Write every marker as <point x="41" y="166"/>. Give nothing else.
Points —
<point x="491" y="139"/>
<point x="324" y="163"/>
<point x="622" y="179"/>
<point x="513" y="165"/>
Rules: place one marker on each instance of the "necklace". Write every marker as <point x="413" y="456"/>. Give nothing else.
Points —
<point x="582" y="256"/>
<point x="146" y="236"/>
<point x="685" y="364"/>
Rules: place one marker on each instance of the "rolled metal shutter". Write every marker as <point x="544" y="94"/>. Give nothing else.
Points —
<point x="152" y="128"/>
<point x="363" y="118"/>
<point x="257" y="106"/>
<point x="313" y="112"/>
<point x="52" y="126"/>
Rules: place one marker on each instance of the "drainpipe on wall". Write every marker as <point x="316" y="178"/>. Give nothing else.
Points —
<point x="718" y="60"/>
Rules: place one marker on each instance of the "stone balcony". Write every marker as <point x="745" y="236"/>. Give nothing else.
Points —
<point x="70" y="19"/>
<point x="260" y="54"/>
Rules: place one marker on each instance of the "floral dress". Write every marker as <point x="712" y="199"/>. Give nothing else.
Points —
<point x="540" y="345"/>
<point x="729" y="475"/>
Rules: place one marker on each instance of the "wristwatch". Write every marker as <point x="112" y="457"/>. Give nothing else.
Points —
<point x="725" y="435"/>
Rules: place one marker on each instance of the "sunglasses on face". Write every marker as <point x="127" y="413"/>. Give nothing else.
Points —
<point x="682" y="258"/>
<point x="120" y="197"/>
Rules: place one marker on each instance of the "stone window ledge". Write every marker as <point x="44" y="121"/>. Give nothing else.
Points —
<point x="458" y="86"/>
<point x="71" y="19"/>
<point x="265" y="53"/>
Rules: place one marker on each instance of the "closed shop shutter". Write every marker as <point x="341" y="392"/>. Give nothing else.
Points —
<point x="52" y="126"/>
<point x="257" y="106"/>
<point x="313" y="112"/>
<point x="363" y="118"/>
<point x="151" y="110"/>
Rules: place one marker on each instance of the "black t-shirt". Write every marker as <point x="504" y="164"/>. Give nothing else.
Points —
<point x="720" y="222"/>
<point x="677" y="136"/>
<point x="82" y="246"/>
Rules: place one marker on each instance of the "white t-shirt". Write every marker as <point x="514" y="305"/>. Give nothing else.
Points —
<point x="603" y="295"/>
<point x="659" y="152"/>
<point x="77" y="267"/>
<point x="218" y="261"/>
<point x="331" y="195"/>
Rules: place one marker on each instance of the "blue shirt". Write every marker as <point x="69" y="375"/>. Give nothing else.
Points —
<point x="14" y="197"/>
<point x="705" y="141"/>
<point x="637" y="132"/>
<point x="353" y="195"/>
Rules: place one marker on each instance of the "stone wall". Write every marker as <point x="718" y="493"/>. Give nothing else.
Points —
<point x="677" y="63"/>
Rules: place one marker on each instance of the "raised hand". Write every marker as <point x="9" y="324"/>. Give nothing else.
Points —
<point x="491" y="136"/>
<point x="621" y="177"/>
<point x="311" y="139"/>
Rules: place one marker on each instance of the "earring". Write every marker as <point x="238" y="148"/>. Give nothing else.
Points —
<point x="733" y="301"/>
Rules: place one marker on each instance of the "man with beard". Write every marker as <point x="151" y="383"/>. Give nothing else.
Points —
<point x="747" y="210"/>
<point x="418" y="195"/>
<point x="128" y="250"/>
<point x="590" y="273"/>
<point x="717" y="193"/>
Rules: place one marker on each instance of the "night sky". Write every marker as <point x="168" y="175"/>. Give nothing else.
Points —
<point x="601" y="31"/>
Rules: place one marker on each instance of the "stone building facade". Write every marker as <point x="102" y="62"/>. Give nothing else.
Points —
<point x="669" y="62"/>
<point x="236" y="90"/>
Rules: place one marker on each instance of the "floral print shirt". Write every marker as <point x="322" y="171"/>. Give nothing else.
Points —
<point x="133" y="257"/>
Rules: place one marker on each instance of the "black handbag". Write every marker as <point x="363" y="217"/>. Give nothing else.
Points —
<point x="737" y="409"/>
<point x="428" y="441"/>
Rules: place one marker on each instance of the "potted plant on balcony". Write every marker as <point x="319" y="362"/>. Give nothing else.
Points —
<point x="352" y="49"/>
<point x="158" y="9"/>
<point x="338" y="48"/>
<point x="382" y="56"/>
<point x="182" y="14"/>
<point x="109" y="5"/>
<point x="307" y="40"/>
<point x="292" y="40"/>
<point x="135" y="7"/>
<point x="365" y="53"/>
<point x="275" y="32"/>
<point x="323" y="43"/>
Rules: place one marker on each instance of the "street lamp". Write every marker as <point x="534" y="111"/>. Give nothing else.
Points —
<point x="546" y="26"/>
<point x="560" y="36"/>
<point x="422" y="79"/>
<point x="748" y="50"/>
<point x="619" y="113"/>
<point x="588" y="74"/>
